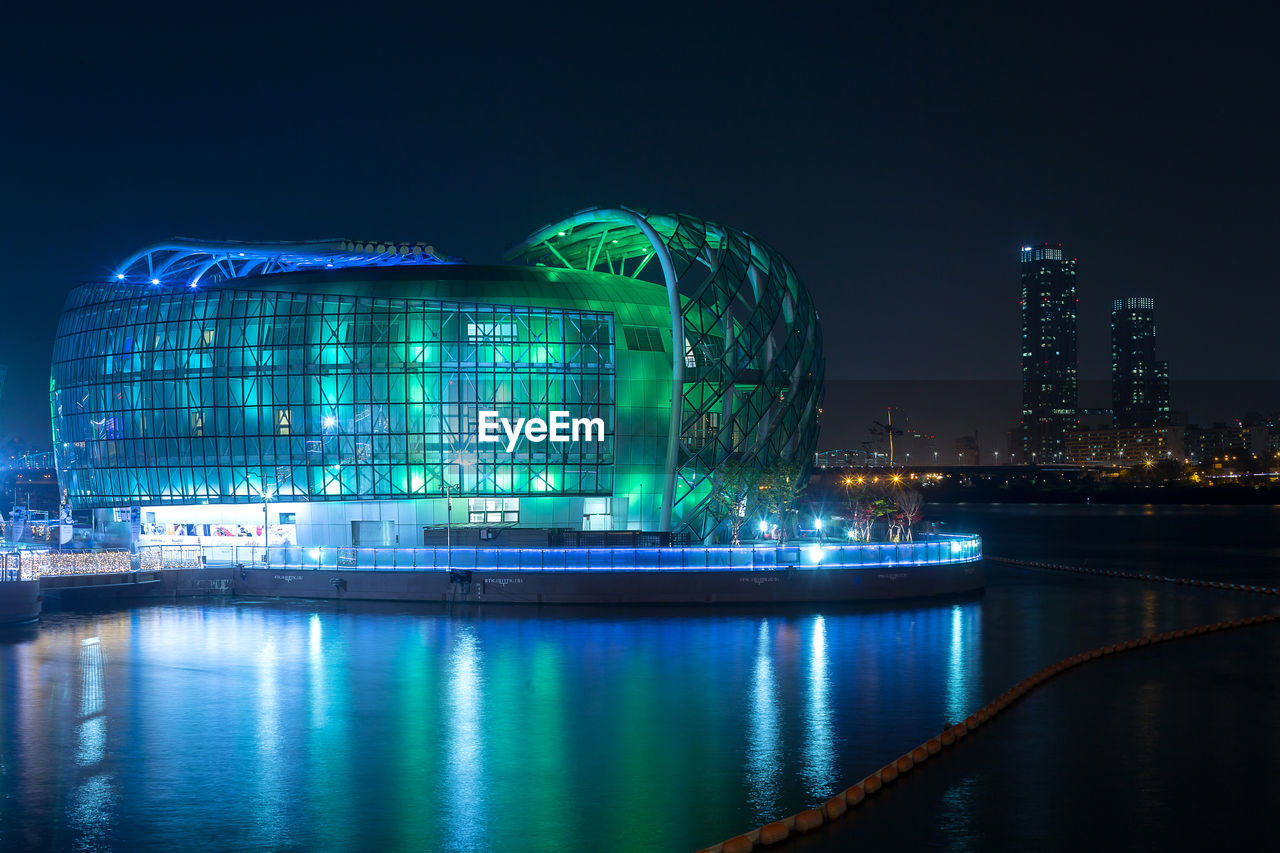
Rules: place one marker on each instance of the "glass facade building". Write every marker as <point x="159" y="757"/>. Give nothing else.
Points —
<point x="1050" y="382"/>
<point x="336" y="389"/>
<point x="1139" y="381"/>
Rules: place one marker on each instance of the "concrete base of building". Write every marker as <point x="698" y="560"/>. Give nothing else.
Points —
<point x="19" y="602"/>
<point x="89" y="590"/>
<point x="617" y="587"/>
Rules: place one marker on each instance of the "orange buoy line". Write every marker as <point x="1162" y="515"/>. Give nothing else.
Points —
<point x="1137" y="576"/>
<point x="809" y="820"/>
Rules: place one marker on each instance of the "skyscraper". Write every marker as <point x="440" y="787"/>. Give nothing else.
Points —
<point x="1139" y="382"/>
<point x="1050" y="385"/>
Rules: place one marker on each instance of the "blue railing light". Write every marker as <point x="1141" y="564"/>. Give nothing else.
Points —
<point x="932" y="550"/>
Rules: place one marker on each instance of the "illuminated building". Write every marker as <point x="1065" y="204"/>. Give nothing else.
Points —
<point x="1124" y="446"/>
<point x="1139" y="382"/>
<point x="341" y="384"/>
<point x="1050" y="385"/>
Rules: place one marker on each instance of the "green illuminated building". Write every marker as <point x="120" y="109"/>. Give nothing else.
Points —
<point x="345" y="382"/>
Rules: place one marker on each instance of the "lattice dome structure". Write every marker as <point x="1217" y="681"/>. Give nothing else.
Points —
<point x="344" y="380"/>
<point x="746" y="343"/>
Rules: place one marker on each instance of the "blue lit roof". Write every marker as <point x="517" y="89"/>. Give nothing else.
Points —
<point x="186" y="262"/>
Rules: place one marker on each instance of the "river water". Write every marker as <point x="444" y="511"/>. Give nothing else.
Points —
<point x="256" y="724"/>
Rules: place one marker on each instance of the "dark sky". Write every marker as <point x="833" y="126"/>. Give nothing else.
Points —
<point x="899" y="157"/>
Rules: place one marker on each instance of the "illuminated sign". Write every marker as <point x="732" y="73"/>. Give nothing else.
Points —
<point x="560" y="427"/>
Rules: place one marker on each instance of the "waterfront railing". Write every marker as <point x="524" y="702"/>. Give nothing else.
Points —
<point x="935" y="549"/>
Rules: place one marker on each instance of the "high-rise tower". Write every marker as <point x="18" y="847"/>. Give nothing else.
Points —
<point x="1050" y="385"/>
<point x="1139" y="382"/>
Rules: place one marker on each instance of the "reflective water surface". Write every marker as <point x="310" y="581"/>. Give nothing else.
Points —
<point x="255" y="724"/>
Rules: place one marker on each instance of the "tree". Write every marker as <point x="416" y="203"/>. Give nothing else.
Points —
<point x="733" y="489"/>
<point x="863" y="510"/>
<point x="882" y="507"/>
<point x="869" y="502"/>
<point x="910" y="506"/>
<point x="779" y="491"/>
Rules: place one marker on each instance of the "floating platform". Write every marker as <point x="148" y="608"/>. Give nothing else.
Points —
<point x="809" y="572"/>
<point x="807" y="581"/>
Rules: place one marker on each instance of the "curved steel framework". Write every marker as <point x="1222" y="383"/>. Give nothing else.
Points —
<point x="188" y="261"/>
<point x="747" y="360"/>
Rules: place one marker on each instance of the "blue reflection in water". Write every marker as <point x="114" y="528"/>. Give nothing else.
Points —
<point x="819" y="752"/>
<point x="955" y="817"/>
<point x="253" y="725"/>
<point x="91" y="734"/>
<point x="417" y="728"/>
<point x="267" y="735"/>
<point x="90" y="806"/>
<point x="963" y="662"/>
<point x="316" y="673"/>
<point x="464" y="771"/>
<point x="764" y="744"/>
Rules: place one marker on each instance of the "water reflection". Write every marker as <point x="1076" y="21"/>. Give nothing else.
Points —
<point x="955" y="820"/>
<point x="819" y="752"/>
<point x="91" y="801"/>
<point x="964" y="663"/>
<point x="465" y="783"/>
<point x="764" y="744"/>
<point x="268" y="735"/>
<point x="395" y="727"/>
<point x="91" y="734"/>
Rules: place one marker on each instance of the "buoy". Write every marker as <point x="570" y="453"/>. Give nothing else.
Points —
<point x="738" y="844"/>
<point x="835" y="807"/>
<point x="920" y="754"/>
<point x="774" y="833"/>
<point x="872" y="783"/>
<point x="959" y="730"/>
<point x="855" y="794"/>
<point x="947" y="738"/>
<point x="933" y="745"/>
<point x="888" y="773"/>
<point x="808" y="820"/>
<point x="904" y="764"/>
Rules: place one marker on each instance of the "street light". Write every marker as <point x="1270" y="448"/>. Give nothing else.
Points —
<point x="448" y="518"/>
<point x="266" y="524"/>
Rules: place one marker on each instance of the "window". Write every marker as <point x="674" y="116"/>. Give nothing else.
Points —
<point x="644" y="339"/>
<point x="493" y="510"/>
<point x="492" y="331"/>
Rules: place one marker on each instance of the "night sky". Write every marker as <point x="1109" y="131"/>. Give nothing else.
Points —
<point x="898" y="157"/>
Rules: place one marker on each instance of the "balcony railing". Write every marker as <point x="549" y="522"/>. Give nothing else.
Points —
<point x="935" y="550"/>
<point x="938" y="549"/>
